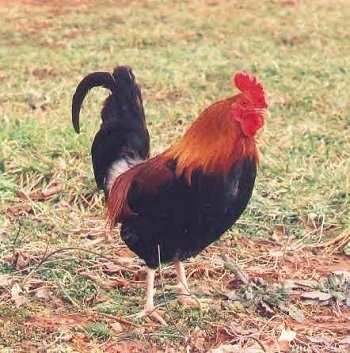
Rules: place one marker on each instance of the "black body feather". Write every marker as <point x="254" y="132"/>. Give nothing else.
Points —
<point x="183" y="219"/>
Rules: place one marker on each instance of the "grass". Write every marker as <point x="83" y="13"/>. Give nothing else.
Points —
<point x="78" y="281"/>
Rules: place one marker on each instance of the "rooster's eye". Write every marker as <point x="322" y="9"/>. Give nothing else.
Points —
<point x="244" y="103"/>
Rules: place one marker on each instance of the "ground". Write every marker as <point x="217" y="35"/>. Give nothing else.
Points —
<point x="278" y="281"/>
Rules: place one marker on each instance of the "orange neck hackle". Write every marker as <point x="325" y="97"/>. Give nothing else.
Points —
<point x="213" y="143"/>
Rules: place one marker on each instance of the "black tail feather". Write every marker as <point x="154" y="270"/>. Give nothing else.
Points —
<point x="95" y="79"/>
<point x="123" y="133"/>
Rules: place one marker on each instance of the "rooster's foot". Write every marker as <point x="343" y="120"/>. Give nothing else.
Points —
<point x="154" y="314"/>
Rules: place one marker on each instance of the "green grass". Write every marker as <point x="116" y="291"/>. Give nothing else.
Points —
<point x="184" y="55"/>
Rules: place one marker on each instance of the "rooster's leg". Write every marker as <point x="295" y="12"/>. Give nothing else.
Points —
<point x="182" y="286"/>
<point x="149" y="309"/>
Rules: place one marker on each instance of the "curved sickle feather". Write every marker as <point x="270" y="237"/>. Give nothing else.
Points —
<point x="95" y="79"/>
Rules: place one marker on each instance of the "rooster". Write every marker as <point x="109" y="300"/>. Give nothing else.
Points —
<point x="175" y="204"/>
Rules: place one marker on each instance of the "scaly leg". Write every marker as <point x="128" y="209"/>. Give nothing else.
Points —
<point x="149" y="309"/>
<point x="182" y="286"/>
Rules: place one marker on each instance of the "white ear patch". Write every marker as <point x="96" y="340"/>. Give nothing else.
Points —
<point x="119" y="167"/>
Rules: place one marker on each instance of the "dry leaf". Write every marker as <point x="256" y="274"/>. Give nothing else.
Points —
<point x="58" y="303"/>
<point x="118" y="283"/>
<point x="347" y="301"/>
<point x="231" y="295"/>
<point x="111" y="268"/>
<point x="293" y="286"/>
<point x="96" y="298"/>
<point x="279" y="234"/>
<point x="41" y="195"/>
<point x="16" y="295"/>
<point x="321" y="296"/>
<point x="266" y="309"/>
<point x="295" y="313"/>
<point x="3" y="234"/>
<point x="229" y="348"/>
<point x="66" y="338"/>
<point x="275" y="253"/>
<point x="224" y="348"/>
<point x="306" y="283"/>
<point x="21" y="259"/>
<point x="43" y="293"/>
<point x="94" y="242"/>
<point x="46" y="193"/>
<point x="22" y="195"/>
<point x="117" y="327"/>
<point x="20" y="209"/>
<point x="345" y="340"/>
<point x="6" y="281"/>
<point x="92" y="276"/>
<point x="126" y="261"/>
<point x="33" y="284"/>
<point x="320" y="340"/>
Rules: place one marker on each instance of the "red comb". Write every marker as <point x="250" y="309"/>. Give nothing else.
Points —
<point x="244" y="82"/>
